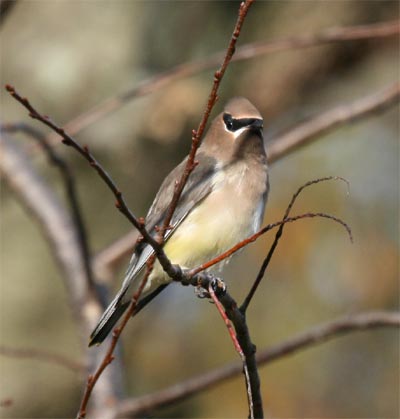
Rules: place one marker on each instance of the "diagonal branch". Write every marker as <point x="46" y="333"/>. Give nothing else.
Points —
<point x="198" y="134"/>
<point x="244" y="348"/>
<point x="58" y="227"/>
<point x="245" y="52"/>
<point x="278" y="235"/>
<point x="69" y="186"/>
<point x="84" y="151"/>
<point x="318" y="334"/>
<point x="305" y="132"/>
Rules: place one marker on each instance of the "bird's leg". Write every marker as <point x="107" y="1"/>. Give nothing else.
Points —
<point x="201" y="289"/>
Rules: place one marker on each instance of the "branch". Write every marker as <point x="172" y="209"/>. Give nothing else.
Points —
<point x="45" y="356"/>
<point x="84" y="152"/>
<point x="57" y="226"/>
<point x="334" y="118"/>
<point x="106" y="260"/>
<point x="193" y="272"/>
<point x="69" y="187"/>
<point x="278" y="235"/>
<point x="243" y="345"/>
<point x="198" y="134"/>
<point x="316" y="335"/>
<point x="245" y="52"/>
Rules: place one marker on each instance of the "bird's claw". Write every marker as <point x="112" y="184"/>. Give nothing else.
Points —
<point x="218" y="286"/>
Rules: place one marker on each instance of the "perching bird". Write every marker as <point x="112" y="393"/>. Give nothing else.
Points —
<point x="222" y="203"/>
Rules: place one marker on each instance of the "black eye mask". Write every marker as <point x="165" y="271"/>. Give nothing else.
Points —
<point x="233" y="124"/>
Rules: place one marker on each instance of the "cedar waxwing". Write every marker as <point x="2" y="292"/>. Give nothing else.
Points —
<point x="222" y="203"/>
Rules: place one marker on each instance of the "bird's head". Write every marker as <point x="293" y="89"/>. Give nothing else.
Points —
<point x="235" y="130"/>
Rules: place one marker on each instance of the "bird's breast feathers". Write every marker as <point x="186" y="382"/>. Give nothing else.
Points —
<point x="231" y="212"/>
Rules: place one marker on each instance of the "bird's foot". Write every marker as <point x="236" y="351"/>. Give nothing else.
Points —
<point x="217" y="284"/>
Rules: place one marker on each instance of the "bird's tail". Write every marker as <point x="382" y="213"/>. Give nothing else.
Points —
<point x="107" y="321"/>
<point x="113" y="313"/>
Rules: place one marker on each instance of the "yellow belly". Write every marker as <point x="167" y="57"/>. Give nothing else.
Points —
<point x="209" y="230"/>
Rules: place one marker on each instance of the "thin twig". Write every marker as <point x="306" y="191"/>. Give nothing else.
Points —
<point x="254" y="237"/>
<point x="140" y="406"/>
<point x="236" y="346"/>
<point x="305" y="132"/>
<point x="108" y="358"/>
<point x="45" y="356"/>
<point x="245" y="52"/>
<point x="84" y="151"/>
<point x="278" y="235"/>
<point x="198" y="134"/>
<point x="122" y="206"/>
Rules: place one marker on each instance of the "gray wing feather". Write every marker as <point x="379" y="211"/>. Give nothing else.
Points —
<point x="197" y="188"/>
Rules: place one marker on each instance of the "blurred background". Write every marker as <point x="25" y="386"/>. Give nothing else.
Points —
<point x="67" y="57"/>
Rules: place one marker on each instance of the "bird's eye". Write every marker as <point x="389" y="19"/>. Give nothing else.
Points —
<point x="228" y="120"/>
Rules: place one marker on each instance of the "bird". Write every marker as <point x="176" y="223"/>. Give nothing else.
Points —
<point x="222" y="203"/>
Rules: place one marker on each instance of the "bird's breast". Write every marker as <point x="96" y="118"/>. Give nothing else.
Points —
<point x="231" y="212"/>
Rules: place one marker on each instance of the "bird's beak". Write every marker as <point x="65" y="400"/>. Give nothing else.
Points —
<point x="257" y="125"/>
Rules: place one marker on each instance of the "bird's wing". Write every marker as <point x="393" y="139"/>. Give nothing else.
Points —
<point x="198" y="186"/>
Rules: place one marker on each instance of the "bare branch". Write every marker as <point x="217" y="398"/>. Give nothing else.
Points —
<point x="334" y="118"/>
<point x="247" y="354"/>
<point x="212" y="99"/>
<point x="316" y="335"/>
<point x="45" y="356"/>
<point x="278" y="235"/>
<point x="84" y="152"/>
<point x="57" y="226"/>
<point x="105" y="260"/>
<point x="69" y="186"/>
<point x="245" y="52"/>
<point x="193" y="272"/>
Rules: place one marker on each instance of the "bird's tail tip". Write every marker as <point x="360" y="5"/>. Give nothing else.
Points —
<point x="106" y="323"/>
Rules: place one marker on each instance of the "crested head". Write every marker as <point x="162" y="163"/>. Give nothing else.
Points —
<point x="234" y="130"/>
<point x="240" y="107"/>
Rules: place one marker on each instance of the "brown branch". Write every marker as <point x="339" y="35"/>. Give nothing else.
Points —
<point x="318" y="334"/>
<point x="249" y="351"/>
<point x="278" y="235"/>
<point x="198" y="134"/>
<point x="84" y="152"/>
<point x="57" y="226"/>
<point x="45" y="356"/>
<point x="108" y="357"/>
<point x="193" y="272"/>
<point x="69" y="187"/>
<point x="303" y="133"/>
<point x="247" y="354"/>
<point x="245" y="52"/>
<point x="106" y="260"/>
